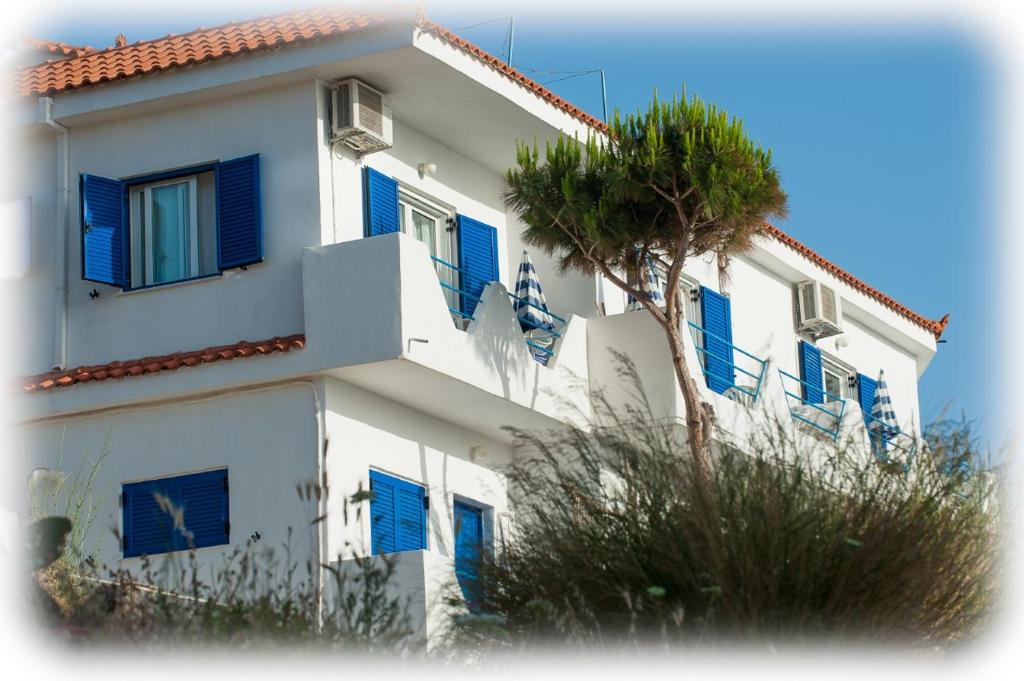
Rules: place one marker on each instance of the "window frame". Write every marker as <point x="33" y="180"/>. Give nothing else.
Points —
<point x="142" y="234"/>
<point x="132" y="185"/>
<point x="838" y="368"/>
<point x="410" y="199"/>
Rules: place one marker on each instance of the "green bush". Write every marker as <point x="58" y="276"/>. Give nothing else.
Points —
<point x="256" y="595"/>
<point x="619" y="541"/>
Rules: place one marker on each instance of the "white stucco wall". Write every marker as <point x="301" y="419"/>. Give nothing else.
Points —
<point x="367" y="431"/>
<point x="265" y="300"/>
<point x="31" y="163"/>
<point x="267" y="439"/>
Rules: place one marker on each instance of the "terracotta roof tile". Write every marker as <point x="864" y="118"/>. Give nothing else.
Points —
<point x="159" y="363"/>
<point x="57" y="48"/>
<point x="196" y="47"/>
<point x="933" y="325"/>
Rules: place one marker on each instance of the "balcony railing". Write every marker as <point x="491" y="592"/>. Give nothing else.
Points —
<point x="462" y="290"/>
<point x="749" y="387"/>
<point x="815" y="414"/>
<point x="890" y="443"/>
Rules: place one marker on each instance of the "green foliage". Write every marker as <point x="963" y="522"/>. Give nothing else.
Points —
<point x="619" y="542"/>
<point x="679" y="179"/>
<point x="255" y="595"/>
<point x="252" y="597"/>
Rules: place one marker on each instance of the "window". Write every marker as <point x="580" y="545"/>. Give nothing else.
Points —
<point x="469" y="548"/>
<point x="172" y="226"/>
<point x="837" y="379"/>
<point x="398" y="514"/>
<point x="173" y="230"/>
<point x="175" y="514"/>
<point x="426" y="221"/>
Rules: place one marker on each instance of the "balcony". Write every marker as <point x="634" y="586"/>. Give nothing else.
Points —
<point x="376" y="316"/>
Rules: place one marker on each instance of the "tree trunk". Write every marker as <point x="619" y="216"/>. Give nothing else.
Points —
<point x="698" y="416"/>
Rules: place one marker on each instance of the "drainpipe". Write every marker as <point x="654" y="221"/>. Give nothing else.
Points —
<point x="60" y="320"/>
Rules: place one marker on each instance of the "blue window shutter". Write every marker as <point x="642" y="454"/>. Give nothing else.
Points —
<point x="149" y="529"/>
<point x="810" y="373"/>
<point x="383" y="533"/>
<point x="468" y="550"/>
<point x="146" y="527"/>
<point x="380" y="203"/>
<point x="719" y="364"/>
<point x="239" y="214"/>
<point x="866" y="387"/>
<point x="104" y="230"/>
<point x="478" y="259"/>
<point x="398" y="518"/>
<point x="204" y="500"/>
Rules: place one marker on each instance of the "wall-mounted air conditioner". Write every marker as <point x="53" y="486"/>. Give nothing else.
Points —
<point x="818" y="310"/>
<point x="361" y="116"/>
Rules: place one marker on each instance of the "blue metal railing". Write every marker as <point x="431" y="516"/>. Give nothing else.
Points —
<point x="819" y="407"/>
<point x="885" y="438"/>
<point x="454" y="280"/>
<point x="759" y="365"/>
<point x="542" y="337"/>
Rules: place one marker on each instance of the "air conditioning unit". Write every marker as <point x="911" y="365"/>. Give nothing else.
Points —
<point x="361" y="116"/>
<point x="819" y="310"/>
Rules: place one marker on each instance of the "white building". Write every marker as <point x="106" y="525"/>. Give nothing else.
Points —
<point x="229" y="305"/>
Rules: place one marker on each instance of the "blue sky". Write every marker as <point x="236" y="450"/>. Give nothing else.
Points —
<point x="879" y="134"/>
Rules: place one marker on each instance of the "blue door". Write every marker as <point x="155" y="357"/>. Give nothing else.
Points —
<point x="469" y="539"/>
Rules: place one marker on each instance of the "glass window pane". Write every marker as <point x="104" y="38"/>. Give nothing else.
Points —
<point x="170" y="246"/>
<point x="424" y="229"/>
<point x="833" y="385"/>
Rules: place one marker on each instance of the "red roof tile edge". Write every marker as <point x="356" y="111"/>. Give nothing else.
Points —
<point x="34" y="81"/>
<point x="159" y="363"/>
<point x="57" y="47"/>
<point x="933" y="325"/>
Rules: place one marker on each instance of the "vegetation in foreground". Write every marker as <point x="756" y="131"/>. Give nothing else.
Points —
<point x="620" y="542"/>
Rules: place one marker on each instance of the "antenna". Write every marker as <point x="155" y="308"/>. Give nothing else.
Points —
<point x="511" y="38"/>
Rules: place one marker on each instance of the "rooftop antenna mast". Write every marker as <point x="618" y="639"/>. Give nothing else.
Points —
<point x="511" y="38"/>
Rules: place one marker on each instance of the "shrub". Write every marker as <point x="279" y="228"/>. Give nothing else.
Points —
<point x="256" y="595"/>
<point x="618" y="542"/>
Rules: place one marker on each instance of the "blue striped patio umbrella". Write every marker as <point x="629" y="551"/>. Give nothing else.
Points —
<point x="649" y="284"/>
<point x="883" y="417"/>
<point x="534" y="314"/>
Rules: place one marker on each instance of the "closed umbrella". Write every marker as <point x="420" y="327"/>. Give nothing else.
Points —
<point x="649" y="284"/>
<point x="530" y="306"/>
<point x="883" y="418"/>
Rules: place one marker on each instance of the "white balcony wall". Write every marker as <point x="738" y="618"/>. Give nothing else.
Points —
<point x="378" y="301"/>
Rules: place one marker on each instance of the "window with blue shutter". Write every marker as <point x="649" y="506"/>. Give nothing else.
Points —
<point x="719" y="362"/>
<point x="104" y="230"/>
<point x="380" y="203"/>
<point x="866" y="387"/>
<point x="810" y="373"/>
<point x="172" y="226"/>
<point x="478" y="259"/>
<point x="398" y="514"/>
<point x="469" y="540"/>
<point x="149" y="509"/>
<point x="239" y="214"/>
